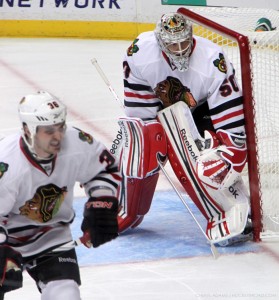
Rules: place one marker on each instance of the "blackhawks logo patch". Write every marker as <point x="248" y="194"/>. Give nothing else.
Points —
<point x="133" y="48"/>
<point x="220" y="63"/>
<point x="172" y="90"/>
<point x="45" y="203"/>
<point x="85" y="137"/>
<point x="3" y="168"/>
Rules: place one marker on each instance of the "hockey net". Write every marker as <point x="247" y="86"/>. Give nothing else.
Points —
<point x="255" y="56"/>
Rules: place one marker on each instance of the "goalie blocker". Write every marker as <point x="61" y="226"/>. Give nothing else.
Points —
<point x="208" y="168"/>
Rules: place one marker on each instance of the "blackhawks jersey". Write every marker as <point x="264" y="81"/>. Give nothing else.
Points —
<point x="36" y="202"/>
<point x="150" y="81"/>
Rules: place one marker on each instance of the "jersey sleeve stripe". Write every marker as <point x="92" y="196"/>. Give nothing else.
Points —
<point x="137" y="87"/>
<point x="139" y="104"/>
<point x="233" y="125"/>
<point x="139" y="96"/>
<point x="225" y="106"/>
<point x="228" y="116"/>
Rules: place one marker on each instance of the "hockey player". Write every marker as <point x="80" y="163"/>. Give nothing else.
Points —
<point x="170" y="67"/>
<point x="38" y="171"/>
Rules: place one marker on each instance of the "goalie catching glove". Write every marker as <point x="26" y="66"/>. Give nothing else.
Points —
<point x="220" y="166"/>
<point x="100" y="220"/>
<point x="10" y="266"/>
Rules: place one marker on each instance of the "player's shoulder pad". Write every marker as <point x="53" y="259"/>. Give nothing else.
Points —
<point x="10" y="157"/>
<point x="77" y="139"/>
<point x="144" y="49"/>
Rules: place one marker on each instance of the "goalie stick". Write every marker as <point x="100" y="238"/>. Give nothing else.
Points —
<point x="105" y="79"/>
<point x="214" y="250"/>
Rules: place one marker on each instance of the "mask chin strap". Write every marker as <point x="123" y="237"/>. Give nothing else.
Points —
<point x="31" y="149"/>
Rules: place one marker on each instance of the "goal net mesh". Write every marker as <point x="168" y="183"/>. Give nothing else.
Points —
<point x="264" y="76"/>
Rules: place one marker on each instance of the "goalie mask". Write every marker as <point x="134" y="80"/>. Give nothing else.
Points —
<point x="175" y="38"/>
<point x="40" y="109"/>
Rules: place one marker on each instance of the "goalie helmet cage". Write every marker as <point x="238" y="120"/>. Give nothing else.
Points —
<point x="256" y="62"/>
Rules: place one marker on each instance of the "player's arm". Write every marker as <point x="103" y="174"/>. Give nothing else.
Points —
<point x="225" y="99"/>
<point x="100" y="211"/>
<point x="10" y="265"/>
<point x="140" y="74"/>
<point x="10" y="260"/>
<point x="226" y="111"/>
<point x="139" y="98"/>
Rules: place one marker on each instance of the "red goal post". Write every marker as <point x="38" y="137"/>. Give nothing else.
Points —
<point x="233" y="29"/>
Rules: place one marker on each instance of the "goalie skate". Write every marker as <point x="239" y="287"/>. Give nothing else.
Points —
<point x="245" y="236"/>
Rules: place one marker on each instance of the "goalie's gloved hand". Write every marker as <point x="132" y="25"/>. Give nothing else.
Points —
<point x="100" y="219"/>
<point x="223" y="159"/>
<point x="235" y="152"/>
<point x="10" y="269"/>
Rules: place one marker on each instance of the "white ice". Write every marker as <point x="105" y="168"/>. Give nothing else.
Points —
<point x="63" y="67"/>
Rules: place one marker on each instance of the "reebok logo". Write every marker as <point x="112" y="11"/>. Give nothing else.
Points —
<point x="188" y="145"/>
<point x="67" y="260"/>
<point x="116" y="142"/>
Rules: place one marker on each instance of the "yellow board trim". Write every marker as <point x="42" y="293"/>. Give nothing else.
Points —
<point x="76" y="29"/>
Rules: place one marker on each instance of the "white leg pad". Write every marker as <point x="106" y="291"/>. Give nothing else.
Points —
<point x="232" y="225"/>
<point x="60" y="289"/>
<point x="226" y="208"/>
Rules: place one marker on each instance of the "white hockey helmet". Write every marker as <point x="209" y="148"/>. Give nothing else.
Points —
<point x="40" y="109"/>
<point x="175" y="38"/>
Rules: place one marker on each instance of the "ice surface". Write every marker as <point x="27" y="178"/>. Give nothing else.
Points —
<point x="167" y="257"/>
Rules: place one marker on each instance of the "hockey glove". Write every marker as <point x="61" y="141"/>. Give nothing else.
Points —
<point x="10" y="269"/>
<point x="236" y="149"/>
<point x="100" y="220"/>
<point x="220" y="166"/>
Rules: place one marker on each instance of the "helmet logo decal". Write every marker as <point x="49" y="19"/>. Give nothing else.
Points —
<point x="45" y="203"/>
<point x="173" y="24"/>
<point x="133" y="48"/>
<point x="221" y="63"/>
<point x="3" y="168"/>
<point x="56" y="116"/>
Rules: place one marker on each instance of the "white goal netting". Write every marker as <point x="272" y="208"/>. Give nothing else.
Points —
<point x="264" y="75"/>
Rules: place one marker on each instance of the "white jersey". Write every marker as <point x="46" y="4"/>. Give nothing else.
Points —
<point x="210" y="77"/>
<point x="36" y="202"/>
